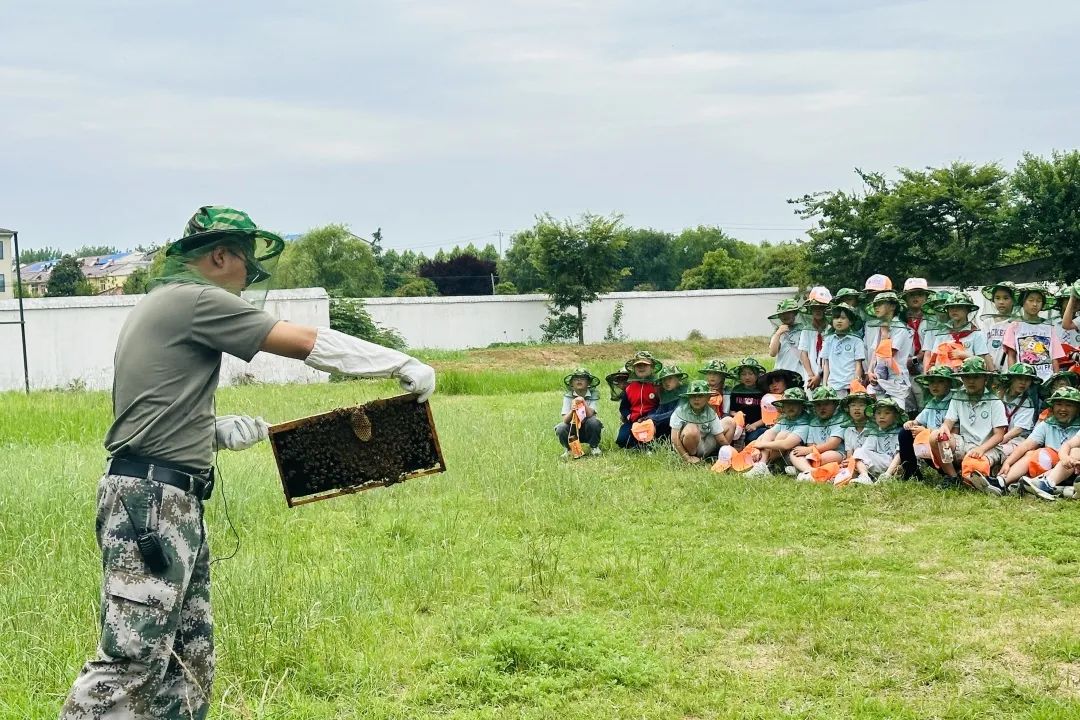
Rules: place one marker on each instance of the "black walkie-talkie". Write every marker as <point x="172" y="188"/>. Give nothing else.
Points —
<point x="149" y="543"/>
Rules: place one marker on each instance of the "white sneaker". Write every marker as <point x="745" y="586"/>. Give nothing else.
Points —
<point x="788" y="470"/>
<point x="594" y="451"/>
<point x="842" y="478"/>
<point x="863" y="479"/>
<point x="759" y="469"/>
<point x="804" y="476"/>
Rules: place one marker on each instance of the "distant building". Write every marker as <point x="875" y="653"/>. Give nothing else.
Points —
<point x="105" y="274"/>
<point x="8" y="276"/>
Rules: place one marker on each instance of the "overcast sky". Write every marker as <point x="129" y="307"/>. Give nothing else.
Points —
<point x="448" y="121"/>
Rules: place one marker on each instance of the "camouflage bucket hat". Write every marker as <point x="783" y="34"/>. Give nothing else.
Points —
<point x="1067" y="375"/>
<point x="789" y="305"/>
<point x="989" y="290"/>
<point x="644" y="357"/>
<point x="792" y="378"/>
<point x="824" y="394"/>
<point x="891" y="404"/>
<point x="846" y="293"/>
<point x="216" y="224"/>
<point x="748" y="364"/>
<point x="1022" y="291"/>
<point x="847" y="311"/>
<point x="973" y="367"/>
<point x="697" y="387"/>
<point x="792" y="396"/>
<point x="960" y="299"/>
<point x="857" y="393"/>
<point x="937" y="300"/>
<point x="671" y="371"/>
<point x="581" y="372"/>
<point x="714" y="366"/>
<point x="1066" y="394"/>
<point x="1021" y="370"/>
<point x="886" y="296"/>
<point x="940" y="372"/>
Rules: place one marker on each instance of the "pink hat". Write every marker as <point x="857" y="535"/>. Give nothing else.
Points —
<point x="878" y="283"/>
<point x="916" y="285"/>
<point x="819" y="295"/>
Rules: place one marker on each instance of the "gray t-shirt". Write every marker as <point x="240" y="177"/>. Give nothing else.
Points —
<point x="167" y="364"/>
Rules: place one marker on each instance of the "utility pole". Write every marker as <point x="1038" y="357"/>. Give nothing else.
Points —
<point x="500" y="243"/>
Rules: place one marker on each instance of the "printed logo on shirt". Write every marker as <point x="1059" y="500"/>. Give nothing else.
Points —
<point x="1034" y="349"/>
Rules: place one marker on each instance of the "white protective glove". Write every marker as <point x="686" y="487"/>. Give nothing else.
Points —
<point x="239" y="432"/>
<point x="337" y="352"/>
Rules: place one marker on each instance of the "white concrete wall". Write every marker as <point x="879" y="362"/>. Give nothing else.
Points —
<point x="73" y="339"/>
<point x="464" y="322"/>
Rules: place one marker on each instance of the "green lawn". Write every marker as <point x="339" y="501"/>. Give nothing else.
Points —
<point x="518" y="585"/>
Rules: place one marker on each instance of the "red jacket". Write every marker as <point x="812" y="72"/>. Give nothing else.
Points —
<point x="639" y="399"/>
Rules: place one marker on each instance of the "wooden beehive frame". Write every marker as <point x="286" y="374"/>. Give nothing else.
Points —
<point x="293" y="424"/>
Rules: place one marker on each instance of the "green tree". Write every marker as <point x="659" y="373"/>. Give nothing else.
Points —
<point x="785" y="265"/>
<point x="1046" y="214"/>
<point x="417" y="287"/>
<point x="578" y="260"/>
<point x="136" y="282"/>
<point x="95" y="250"/>
<point x="505" y="288"/>
<point x="332" y="258"/>
<point x="518" y="265"/>
<point x="650" y="257"/>
<point x="67" y="279"/>
<point x="717" y="270"/>
<point x="397" y="268"/>
<point x="28" y="256"/>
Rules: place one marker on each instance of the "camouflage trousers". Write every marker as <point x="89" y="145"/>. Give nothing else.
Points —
<point x="155" y="658"/>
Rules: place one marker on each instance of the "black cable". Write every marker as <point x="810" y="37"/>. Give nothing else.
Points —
<point x="220" y="480"/>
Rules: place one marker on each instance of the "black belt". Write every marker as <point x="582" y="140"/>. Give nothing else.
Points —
<point x="201" y="485"/>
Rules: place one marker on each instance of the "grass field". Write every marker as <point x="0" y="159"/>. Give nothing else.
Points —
<point x="518" y="585"/>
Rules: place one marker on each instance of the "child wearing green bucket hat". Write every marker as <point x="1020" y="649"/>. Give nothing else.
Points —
<point x="782" y="437"/>
<point x="973" y="428"/>
<point x="1014" y="389"/>
<point x="961" y="338"/>
<point x="616" y="383"/>
<point x="745" y="397"/>
<point x="821" y="441"/>
<point x="673" y="383"/>
<point x="1003" y="297"/>
<point x="715" y="372"/>
<point x="937" y="388"/>
<point x="1063" y="378"/>
<point x="1025" y="463"/>
<point x="888" y="344"/>
<point x="641" y="396"/>
<point x="1031" y="338"/>
<point x="812" y="339"/>
<point x="844" y="353"/>
<point x="857" y="405"/>
<point x="579" y="420"/>
<point x="784" y="343"/>
<point x="879" y="456"/>
<point x="1063" y="426"/>
<point x="696" y="430"/>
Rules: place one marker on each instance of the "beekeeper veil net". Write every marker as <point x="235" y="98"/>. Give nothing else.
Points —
<point x="216" y="226"/>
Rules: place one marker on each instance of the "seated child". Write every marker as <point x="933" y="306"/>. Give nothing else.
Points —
<point x="782" y="437"/>
<point x="960" y="339"/>
<point x="821" y="440"/>
<point x="1062" y="379"/>
<point x="1014" y="389"/>
<point x="672" y="383"/>
<point x="1003" y="296"/>
<point x="616" y="383"/>
<point x="1031" y="338"/>
<point x="716" y="375"/>
<point x="784" y="344"/>
<point x="773" y="384"/>
<point x="1066" y="424"/>
<point x="974" y="424"/>
<point x="640" y="397"/>
<point x="696" y="430"/>
<point x="812" y="339"/>
<point x="580" y="399"/>
<point x="745" y="397"/>
<point x="937" y="385"/>
<point x="1023" y="463"/>
<point x="879" y="456"/>
<point x="843" y="354"/>
<point x="857" y="405"/>
<point x="888" y="345"/>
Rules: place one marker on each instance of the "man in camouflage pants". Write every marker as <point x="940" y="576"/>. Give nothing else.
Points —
<point x="155" y="658"/>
